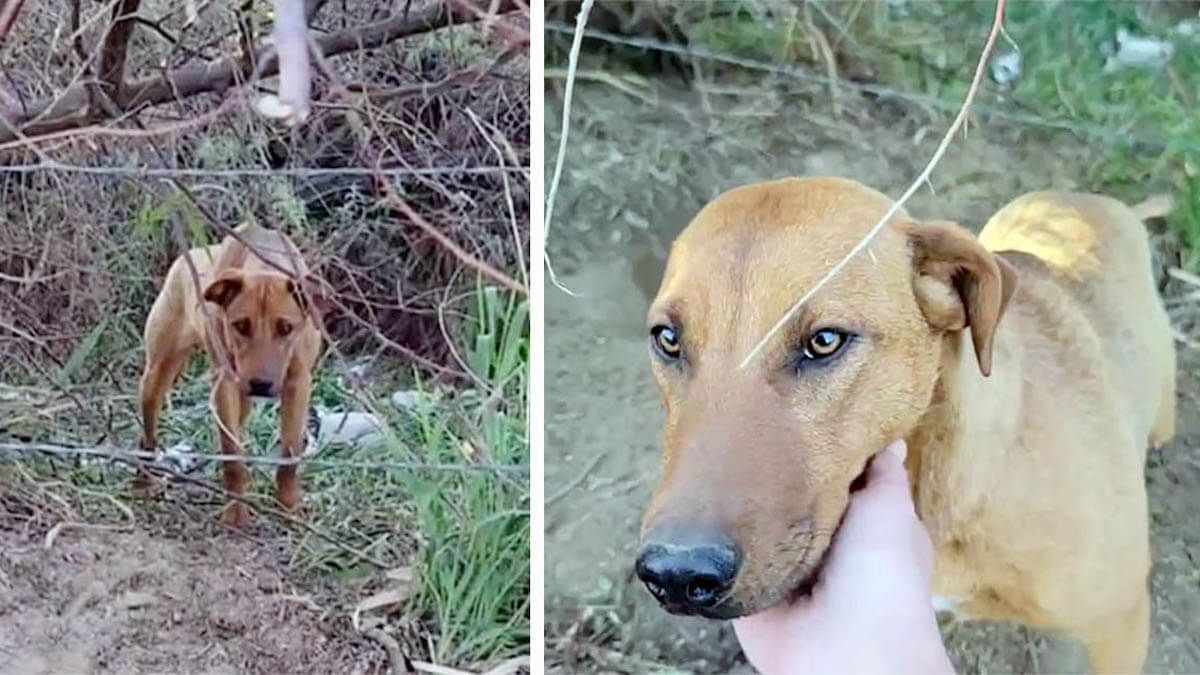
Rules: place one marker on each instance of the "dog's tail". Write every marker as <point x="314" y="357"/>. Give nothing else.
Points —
<point x="1157" y="206"/>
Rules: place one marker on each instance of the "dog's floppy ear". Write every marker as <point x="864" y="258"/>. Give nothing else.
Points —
<point x="310" y="293"/>
<point x="959" y="283"/>
<point x="224" y="288"/>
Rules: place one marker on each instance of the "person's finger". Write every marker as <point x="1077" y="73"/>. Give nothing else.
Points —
<point x="882" y="511"/>
<point x="923" y="547"/>
<point x="886" y="474"/>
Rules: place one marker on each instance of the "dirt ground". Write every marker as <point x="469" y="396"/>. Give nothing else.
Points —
<point x="181" y="594"/>
<point x="638" y="167"/>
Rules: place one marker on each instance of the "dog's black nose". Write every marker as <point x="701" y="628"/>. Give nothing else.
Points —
<point x="261" y="387"/>
<point x="691" y="573"/>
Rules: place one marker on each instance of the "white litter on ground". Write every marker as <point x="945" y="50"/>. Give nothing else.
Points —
<point x="1006" y="68"/>
<point x="181" y="457"/>
<point x="360" y="429"/>
<point x="1138" y="52"/>
<point x="407" y="399"/>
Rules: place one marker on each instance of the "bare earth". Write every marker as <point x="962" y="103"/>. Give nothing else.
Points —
<point x="188" y="596"/>
<point x="636" y="172"/>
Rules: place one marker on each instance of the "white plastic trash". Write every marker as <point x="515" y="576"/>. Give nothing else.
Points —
<point x="1138" y="52"/>
<point x="407" y="399"/>
<point x="354" y="428"/>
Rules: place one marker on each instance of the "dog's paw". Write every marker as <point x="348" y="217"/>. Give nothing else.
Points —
<point x="146" y="486"/>
<point x="236" y="514"/>
<point x="288" y="497"/>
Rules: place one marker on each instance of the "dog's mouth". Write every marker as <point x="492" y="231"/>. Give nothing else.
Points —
<point x="794" y="587"/>
<point x="804" y="586"/>
<point x="809" y="581"/>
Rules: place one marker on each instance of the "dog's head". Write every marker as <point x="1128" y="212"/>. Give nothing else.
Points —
<point x="760" y="458"/>
<point x="261" y="315"/>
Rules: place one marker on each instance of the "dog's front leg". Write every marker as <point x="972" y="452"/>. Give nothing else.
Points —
<point x="232" y="409"/>
<point x="296" y="393"/>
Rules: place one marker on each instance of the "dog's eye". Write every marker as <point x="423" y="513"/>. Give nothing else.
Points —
<point x="242" y="326"/>
<point x="666" y="342"/>
<point x="824" y="344"/>
<point x="284" y="328"/>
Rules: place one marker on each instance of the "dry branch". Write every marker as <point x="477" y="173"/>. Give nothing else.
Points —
<point x="71" y="108"/>
<point x="116" y="47"/>
<point x="396" y="202"/>
<point x="8" y="15"/>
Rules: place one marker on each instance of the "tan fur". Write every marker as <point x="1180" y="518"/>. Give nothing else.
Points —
<point x="1030" y="480"/>
<point x="237" y="284"/>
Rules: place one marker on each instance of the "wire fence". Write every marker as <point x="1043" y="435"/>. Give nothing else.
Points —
<point x="114" y="453"/>
<point x="288" y="172"/>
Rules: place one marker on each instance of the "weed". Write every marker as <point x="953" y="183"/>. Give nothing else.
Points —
<point x="474" y="558"/>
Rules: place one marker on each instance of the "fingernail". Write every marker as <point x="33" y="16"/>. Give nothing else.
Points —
<point x="899" y="449"/>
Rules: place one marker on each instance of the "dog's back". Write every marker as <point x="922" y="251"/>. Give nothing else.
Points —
<point x="1092" y="252"/>
<point x="256" y="248"/>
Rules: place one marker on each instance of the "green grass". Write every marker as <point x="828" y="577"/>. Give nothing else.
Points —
<point x="474" y="555"/>
<point x="1138" y="124"/>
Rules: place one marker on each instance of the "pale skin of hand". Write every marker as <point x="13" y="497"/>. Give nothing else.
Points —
<point x="871" y="611"/>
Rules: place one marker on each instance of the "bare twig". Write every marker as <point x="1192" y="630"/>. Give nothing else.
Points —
<point x="394" y="200"/>
<point x="58" y="529"/>
<point x="77" y="127"/>
<point x="8" y="16"/>
<point x="922" y="178"/>
<point x="574" y="482"/>
<point x="435" y="669"/>
<point x="398" y="663"/>
<point x="560" y="160"/>
<point x="509" y="667"/>
<point x="115" y="48"/>
<point x="1185" y="276"/>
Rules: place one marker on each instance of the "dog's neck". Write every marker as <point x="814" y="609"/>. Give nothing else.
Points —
<point x="952" y="456"/>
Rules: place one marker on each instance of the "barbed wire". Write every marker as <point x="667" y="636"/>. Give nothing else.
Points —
<point x="141" y="456"/>
<point x="300" y="172"/>
<point x="1093" y="130"/>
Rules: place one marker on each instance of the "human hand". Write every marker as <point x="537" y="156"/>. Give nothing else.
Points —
<point x="871" y="610"/>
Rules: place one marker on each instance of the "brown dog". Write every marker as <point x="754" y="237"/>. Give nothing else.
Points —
<point x="259" y="327"/>
<point x="1026" y="440"/>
